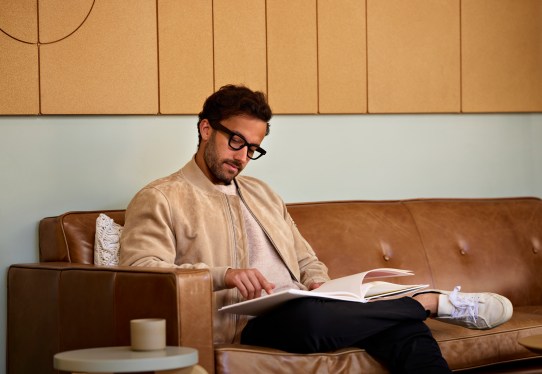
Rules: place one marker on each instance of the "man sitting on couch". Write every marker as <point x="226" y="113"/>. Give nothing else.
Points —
<point x="207" y="216"/>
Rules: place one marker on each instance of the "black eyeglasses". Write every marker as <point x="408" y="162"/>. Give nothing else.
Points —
<point x="237" y="142"/>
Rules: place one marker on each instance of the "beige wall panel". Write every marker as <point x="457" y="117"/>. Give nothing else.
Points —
<point x="502" y="55"/>
<point x="240" y="43"/>
<point x="19" y="85"/>
<point x="19" y="19"/>
<point x="342" y="67"/>
<point x="186" y="54"/>
<point x="109" y="66"/>
<point x="292" y="57"/>
<point x="413" y="56"/>
<point x="60" y="18"/>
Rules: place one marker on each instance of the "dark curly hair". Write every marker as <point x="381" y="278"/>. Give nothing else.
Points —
<point x="232" y="100"/>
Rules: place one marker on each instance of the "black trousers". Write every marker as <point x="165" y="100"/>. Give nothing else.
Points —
<point x="392" y="331"/>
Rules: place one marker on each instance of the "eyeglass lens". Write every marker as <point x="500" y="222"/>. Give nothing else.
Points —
<point x="236" y="142"/>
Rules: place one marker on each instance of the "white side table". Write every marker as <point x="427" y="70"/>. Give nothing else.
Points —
<point x="124" y="360"/>
<point x="532" y="342"/>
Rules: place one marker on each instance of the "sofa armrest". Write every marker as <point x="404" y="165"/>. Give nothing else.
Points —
<point x="55" y="307"/>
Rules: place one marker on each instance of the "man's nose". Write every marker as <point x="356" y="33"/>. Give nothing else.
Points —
<point x="241" y="154"/>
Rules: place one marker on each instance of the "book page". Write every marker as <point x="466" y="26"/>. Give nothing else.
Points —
<point x="352" y="283"/>
<point x="386" y="273"/>
<point x="378" y="289"/>
<point x="262" y="304"/>
<point x="349" y="288"/>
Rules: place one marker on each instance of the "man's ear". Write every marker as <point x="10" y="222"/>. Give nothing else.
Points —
<point x="205" y="129"/>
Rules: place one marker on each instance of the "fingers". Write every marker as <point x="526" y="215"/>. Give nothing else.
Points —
<point x="315" y="285"/>
<point x="249" y="282"/>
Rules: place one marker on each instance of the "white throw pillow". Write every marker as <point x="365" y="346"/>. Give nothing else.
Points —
<point x="107" y="241"/>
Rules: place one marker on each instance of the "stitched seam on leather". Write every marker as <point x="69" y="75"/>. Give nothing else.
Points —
<point x="64" y="237"/>
<point x="405" y="204"/>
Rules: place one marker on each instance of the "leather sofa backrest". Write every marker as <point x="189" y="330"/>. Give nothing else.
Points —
<point x="480" y="244"/>
<point x="355" y="236"/>
<point x="484" y="245"/>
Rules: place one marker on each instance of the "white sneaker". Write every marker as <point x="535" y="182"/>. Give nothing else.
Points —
<point x="473" y="310"/>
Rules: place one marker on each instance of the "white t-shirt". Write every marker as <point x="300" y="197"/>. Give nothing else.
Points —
<point x="262" y="255"/>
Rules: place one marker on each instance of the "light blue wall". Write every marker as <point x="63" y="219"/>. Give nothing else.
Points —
<point x="49" y="165"/>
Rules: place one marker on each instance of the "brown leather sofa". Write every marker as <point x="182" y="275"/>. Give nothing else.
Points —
<point x="64" y="302"/>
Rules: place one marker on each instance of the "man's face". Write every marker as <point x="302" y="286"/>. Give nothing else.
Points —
<point x="223" y="163"/>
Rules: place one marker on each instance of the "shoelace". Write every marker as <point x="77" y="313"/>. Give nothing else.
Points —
<point x="464" y="306"/>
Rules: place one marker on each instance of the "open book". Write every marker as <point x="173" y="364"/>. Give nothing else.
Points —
<point x="349" y="288"/>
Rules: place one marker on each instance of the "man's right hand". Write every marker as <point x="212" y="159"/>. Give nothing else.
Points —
<point x="250" y="282"/>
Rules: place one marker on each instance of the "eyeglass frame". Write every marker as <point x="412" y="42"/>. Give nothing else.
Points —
<point x="220" y="127"/>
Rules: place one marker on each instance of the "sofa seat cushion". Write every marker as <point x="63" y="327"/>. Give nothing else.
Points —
<point x="238" y="358"/>
<point x="463" y="348"/>
<point x="466" y="348"/>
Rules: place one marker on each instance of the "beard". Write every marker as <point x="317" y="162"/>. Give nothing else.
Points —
<point x="216" y="165"/>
